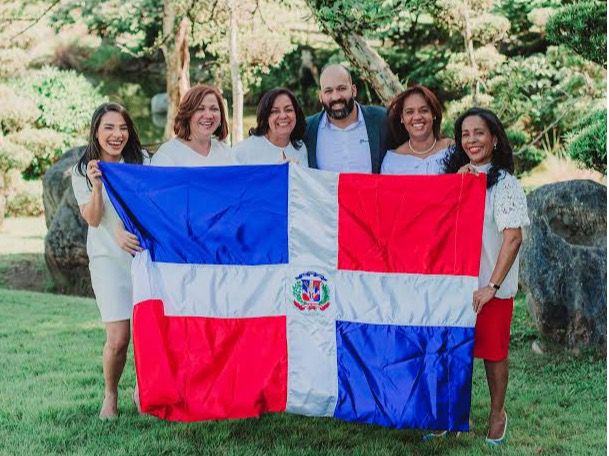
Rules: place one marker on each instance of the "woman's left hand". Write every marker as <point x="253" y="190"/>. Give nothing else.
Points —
<point x="481" y="297"/>
<point x="468" y="168"/>
<point x="127" y="241"/>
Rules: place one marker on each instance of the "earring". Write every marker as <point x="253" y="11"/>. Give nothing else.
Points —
<point x="495" y="146"/>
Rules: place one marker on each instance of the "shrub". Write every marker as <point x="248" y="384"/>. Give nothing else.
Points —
<point x="13" y="62"/>
<point x="588" y="143"/>
<point x="45" y="144"/>
<point x="24" y="203"/>
<point x="16" y="112"/>
<point x="65" y="99"/>
<point x="527" y="158"/>
<point x="582" y="27"/>
<point x="13" y="156"/>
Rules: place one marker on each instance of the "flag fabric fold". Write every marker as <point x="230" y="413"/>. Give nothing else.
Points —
<point x="276" y="288"/>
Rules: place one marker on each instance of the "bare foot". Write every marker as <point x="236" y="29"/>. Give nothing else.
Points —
<point x="497" y="423"/>
<point x="109" y="409"/>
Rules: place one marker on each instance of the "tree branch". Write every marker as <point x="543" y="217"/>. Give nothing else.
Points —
<point x="36" y="20"/>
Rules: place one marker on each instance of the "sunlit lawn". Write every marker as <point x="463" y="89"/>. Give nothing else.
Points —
<point x="51" y="387"/>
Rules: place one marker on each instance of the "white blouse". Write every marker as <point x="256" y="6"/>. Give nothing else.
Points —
<point x="258" y="150"/>
<point x="175" y="153"/>
<point x="396" y="163"/>
<point x="506" y="207"/>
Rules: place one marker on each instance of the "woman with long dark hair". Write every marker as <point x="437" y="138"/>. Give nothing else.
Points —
<point x="278" y="134"/>
<point x="112" y="138"/>
<point x="483" y="147"/>
<point x="415" y="143"/>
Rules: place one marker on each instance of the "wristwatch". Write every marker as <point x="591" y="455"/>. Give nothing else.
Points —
<point x="494" y="285"/>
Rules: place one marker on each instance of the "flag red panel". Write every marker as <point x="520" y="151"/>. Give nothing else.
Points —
<point x="198" y="368"/>
<point x="436" y="220"/>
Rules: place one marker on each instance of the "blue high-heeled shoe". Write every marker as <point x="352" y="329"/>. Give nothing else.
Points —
<point x="499" y="441"/>
<point x="434" y="435"/>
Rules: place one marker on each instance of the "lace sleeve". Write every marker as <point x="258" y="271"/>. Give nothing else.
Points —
<point x="510" y="204"/>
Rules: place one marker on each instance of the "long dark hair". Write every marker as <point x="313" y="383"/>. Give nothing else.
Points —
<point x="502" y="158"/>
<point x="132" y="152"/>
<point x="398" y="133"/>
<point x="263" y="112"/>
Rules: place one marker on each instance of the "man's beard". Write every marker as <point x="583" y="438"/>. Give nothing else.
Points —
<point x="348" y="106"/>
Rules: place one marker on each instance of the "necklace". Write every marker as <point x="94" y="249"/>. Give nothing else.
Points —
<point x="425" y="152"/>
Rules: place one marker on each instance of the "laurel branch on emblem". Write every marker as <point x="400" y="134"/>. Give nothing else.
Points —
<point x="322" y="303"/>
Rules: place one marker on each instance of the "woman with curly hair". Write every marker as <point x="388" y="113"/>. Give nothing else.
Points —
<point x="415" y="143"/>
<point x="482" y="147"/>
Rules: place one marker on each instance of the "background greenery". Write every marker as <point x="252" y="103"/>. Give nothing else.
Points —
<point x="541" y="65"/>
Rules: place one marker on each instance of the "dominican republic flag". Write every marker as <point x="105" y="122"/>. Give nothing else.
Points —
<point x="277" y="288"/>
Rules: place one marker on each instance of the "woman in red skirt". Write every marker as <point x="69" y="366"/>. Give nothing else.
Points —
<point x="482" y="147"/>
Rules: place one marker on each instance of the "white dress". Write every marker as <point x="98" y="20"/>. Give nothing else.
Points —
<point x="175" y="153"/>
<point x="110" y="266"/>
<point x="506" y="207"/>
<point x="258" y="150"/>
<point x="396" y="163"/>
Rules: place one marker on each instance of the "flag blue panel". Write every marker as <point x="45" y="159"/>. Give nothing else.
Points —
<point x="404" y="376"/>
<point x="207" y="215"/>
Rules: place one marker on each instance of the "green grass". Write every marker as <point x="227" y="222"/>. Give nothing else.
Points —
<point x="51" y="387"/>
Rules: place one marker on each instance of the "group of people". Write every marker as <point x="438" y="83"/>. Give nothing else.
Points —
<point x="345" y="136"/>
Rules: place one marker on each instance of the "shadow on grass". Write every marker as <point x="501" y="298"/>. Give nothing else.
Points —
<point x="28" y="271"/>
<point x="25" y="271"/>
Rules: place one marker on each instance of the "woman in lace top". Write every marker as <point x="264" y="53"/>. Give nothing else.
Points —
<point x="482" y="147"/>
<point x="415" y="144"/>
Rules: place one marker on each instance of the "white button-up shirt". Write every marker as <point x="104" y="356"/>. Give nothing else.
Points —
<point x="343" y="149"/>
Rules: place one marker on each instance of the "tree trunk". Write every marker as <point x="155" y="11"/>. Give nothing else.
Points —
<point x="469" y="49"/>
<point x="177" y="60"/>
<point x="371" y="65"/>
<point x="237" y="84"/>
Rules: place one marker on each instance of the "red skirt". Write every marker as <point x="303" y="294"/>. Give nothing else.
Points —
<point x="492" y="337"/>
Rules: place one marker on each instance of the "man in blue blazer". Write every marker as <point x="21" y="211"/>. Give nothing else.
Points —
<point x="345" y="136"/>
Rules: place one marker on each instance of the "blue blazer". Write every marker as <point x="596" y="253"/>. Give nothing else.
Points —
<point x="376" y="126"/>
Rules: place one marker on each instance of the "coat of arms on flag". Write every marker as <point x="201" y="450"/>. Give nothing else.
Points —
<point x="311" y="291"/>
<point x="277" y="288"/>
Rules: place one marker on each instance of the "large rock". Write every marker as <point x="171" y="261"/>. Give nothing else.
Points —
<point x="159" y="103"/>
<point x="564" y="263"/>
<point x="65" y="245"/>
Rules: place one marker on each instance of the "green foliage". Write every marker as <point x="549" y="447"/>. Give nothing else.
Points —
<point x="532" y="92"/>
<point x="588" y="143"/>
<point x="65" y="99"/>
<point x="45" y="144"/>
<point x="582" y="26"/>
<point x="134" y="25"/>
<point x="348" y="16"/>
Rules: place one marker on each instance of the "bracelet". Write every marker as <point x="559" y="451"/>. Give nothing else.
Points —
<point x="494" y="286"/>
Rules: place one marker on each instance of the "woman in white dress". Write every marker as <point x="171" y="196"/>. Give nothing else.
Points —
<point x="112" y="138"/>
<point x="483" y="147"/>
<point x="201" y="128"/>
<point x="415" y="144"/>
<point x="278" y="134"/>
